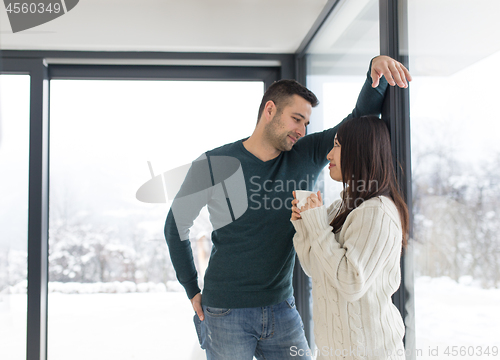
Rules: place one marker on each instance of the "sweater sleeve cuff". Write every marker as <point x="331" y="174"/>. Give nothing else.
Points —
<point x="316" y="220"/>
<point x="191" y="290"/>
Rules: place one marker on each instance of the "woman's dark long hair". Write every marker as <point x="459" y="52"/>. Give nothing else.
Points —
<point x="367" y="168"/>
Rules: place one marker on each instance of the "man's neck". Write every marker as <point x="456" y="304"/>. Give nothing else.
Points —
<point x="260" y="148"/>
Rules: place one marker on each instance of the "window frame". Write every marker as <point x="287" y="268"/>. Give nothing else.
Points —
<point x="42" y="66"/>
<point x="36" y="332"/>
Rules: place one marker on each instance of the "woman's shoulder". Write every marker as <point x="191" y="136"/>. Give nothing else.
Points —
<point x="333" y="209"/>
<point x="378" y="206"/>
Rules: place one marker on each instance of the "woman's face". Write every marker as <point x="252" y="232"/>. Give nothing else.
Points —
<point x="334" y="158"/>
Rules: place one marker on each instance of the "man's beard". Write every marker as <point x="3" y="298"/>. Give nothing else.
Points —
<point x="277" y="139"/>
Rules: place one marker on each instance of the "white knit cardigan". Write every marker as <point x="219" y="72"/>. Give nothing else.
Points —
<point x="354" y="273"/>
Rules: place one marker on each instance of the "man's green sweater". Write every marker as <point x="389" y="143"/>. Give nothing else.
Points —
<point x="252" y="259"/>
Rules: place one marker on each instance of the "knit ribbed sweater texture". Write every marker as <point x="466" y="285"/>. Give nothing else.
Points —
<point x="354" y="273"/>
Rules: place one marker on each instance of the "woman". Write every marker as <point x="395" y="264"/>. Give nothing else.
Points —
<point x="352" y="248"/>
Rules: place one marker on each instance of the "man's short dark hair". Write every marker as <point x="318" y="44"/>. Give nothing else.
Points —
<point x="280" y="92"/>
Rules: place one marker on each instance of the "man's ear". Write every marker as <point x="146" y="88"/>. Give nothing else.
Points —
<point x="269" y="110"/>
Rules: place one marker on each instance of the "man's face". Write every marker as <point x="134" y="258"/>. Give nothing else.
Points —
<point x="289" y="125"/>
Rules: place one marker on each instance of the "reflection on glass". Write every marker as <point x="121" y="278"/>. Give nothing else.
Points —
<point x="456" y="188"/>
<point x="14" y="162"/>
<point x="347" y="41"/>
<point x="112" y="290"/>
<point x="337" y="63"/>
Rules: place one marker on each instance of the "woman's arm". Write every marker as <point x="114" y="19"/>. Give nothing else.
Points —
<point x="302" y="246"/>
<point x="372" y="243"/>
<point x="301" y="240"/>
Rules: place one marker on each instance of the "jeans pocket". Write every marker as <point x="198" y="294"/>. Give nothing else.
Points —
<point x="215" y="312"/>
<point x="197" y="325"/>
<point x="291" y="302"/>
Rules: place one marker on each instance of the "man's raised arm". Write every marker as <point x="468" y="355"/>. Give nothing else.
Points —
<point x="383" y="71"/>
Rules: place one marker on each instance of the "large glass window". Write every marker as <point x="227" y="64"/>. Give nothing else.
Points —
<point x="14" y="162"/>
<point x="456" y="188"/>
<point x="112" y="290"/>
<point x="337" y="61"/>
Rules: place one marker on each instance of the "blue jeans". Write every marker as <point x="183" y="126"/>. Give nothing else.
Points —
<point x="272" y="333"/>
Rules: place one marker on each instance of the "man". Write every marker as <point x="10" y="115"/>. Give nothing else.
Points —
<point x="247" y="308"/>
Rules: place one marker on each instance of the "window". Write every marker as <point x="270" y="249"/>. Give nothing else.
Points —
<point x="112" y="290"/>
<point x="455" y="157"/>
<point x="14" y="161"/>
<point x="337" y="61"/>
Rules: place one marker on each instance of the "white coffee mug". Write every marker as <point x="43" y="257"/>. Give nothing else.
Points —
<point x="302" y="196"/>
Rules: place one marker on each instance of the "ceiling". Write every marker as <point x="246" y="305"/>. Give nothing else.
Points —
<point x="241" y="26"/>
<point x="441" y="42"/>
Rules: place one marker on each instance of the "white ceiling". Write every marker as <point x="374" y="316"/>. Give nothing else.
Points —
<point x="443" y="35"/>
<point x="254" y="26"/>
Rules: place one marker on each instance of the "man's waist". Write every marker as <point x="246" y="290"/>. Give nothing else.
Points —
<point x="241" y="298"/>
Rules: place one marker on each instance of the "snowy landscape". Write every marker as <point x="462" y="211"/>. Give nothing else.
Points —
<point x="157" y="324"/>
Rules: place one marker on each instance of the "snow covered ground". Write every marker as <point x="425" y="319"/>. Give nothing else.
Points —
<point x="126" y="326"/>
<point x="461" y="315"/>
<point x="158" y="325"/>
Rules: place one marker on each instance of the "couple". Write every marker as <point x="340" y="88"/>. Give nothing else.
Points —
<point x="247" y="306"/>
